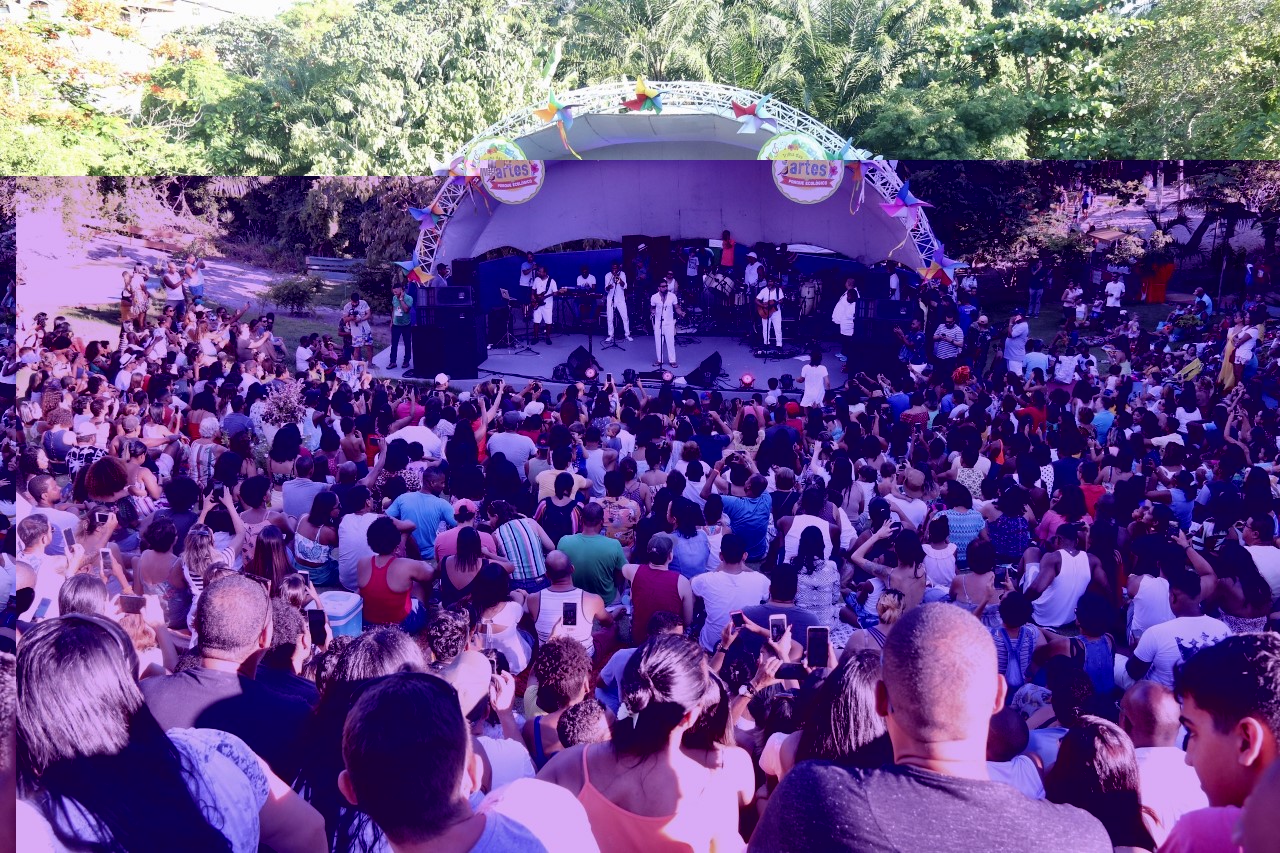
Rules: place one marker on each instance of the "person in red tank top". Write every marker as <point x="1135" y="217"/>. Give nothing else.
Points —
<point x="654" y="587"/>
<point x="387" y="583"/>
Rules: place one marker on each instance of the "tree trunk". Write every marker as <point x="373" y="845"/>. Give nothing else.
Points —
<point x="1197" y="236"/>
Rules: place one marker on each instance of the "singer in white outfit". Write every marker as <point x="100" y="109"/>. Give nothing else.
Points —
<point x="665" y="308"/>
<point x="615" y="299"/>
<point x="768" y="294"/>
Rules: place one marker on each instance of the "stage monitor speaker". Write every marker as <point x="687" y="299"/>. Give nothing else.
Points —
<point x="464" y="272"/>
<point x="579" y="361"/>
<point x="452" y="296"/>
<point x="706" y="373"/>
<point x="660" y="261"/>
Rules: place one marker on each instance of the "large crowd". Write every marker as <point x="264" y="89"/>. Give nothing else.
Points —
<point x="1018" y="594"/>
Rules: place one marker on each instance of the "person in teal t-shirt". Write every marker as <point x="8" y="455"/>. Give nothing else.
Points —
<point x="401" y="302"/>
<point x="597" y="559"/>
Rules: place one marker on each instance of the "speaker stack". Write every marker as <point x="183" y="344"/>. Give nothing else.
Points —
<point x="878" y="345"/>
<point x="450" y="333"/>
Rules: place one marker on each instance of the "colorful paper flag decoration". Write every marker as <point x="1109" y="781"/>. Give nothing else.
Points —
<point x="754" y="117"/>
<point x="559" y="114"/>
<point x="647" y="98"/>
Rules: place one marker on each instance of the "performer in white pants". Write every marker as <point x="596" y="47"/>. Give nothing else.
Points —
<point x="615" y="299"/>
<point x="544" y="287"/>
<point x="665" y="308"/>
<point x="770" y="293"/>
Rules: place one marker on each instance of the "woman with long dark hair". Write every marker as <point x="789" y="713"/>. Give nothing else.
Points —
<point x="1097" y="770"/>
<point x="269" y="560"/>
<point x="94" y="765"/>
<point x="316" y="540"/>
<point x="640" y="791"/>
<point x="842" y="724"/>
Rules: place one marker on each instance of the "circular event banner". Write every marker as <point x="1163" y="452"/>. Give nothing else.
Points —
<point x="504" y="171"/>
<point x="808" y="181"/>
<point x="802" y="172"/>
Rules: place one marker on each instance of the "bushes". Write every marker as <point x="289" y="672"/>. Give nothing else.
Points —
<point x="295" y="294"/>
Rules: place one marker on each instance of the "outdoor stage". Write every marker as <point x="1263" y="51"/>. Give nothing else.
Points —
<point x="736" y="359"/>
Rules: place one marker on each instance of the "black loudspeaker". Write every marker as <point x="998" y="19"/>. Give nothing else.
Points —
<point x="464" y="272"/>
<point x="452" y="296"/>
<point x="706" y="373"/>
<point x="660" y="261"/>
<point x="454" y="341"/>
<point x="894" y="310"/>
<point x="874" y="284"/>
<point x="578" y="362"/>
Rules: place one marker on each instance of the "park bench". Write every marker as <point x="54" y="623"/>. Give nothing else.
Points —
<point x="333" y="270"/>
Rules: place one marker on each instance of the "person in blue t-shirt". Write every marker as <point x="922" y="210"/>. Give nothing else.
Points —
<point x="748" y="516"/>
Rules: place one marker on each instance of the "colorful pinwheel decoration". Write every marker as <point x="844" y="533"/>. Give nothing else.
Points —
<point x="948" y="265"/>
<point x="647" y="98"/>
<point x="559" y="114"/>
<point x="754" y="118"/>
<point x="429" y="218"/>
<point x="905" y="206"/>
<point x="418" y="272"/>
<point x="860" y="162"/>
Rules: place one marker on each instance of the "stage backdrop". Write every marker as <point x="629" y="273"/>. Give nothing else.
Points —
<point x="565" y="266"/>
<point x="682" y="199"/>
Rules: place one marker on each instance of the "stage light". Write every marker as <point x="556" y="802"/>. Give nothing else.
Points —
<point x="590" y="374"/>
<point x="667" y="376"/>
<point x="747" y="380"/>
<point x="787" y="382"/>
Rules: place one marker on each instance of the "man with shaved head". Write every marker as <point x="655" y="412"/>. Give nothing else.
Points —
<point x="938" y="691"/>
<point x="1149" y="715"/>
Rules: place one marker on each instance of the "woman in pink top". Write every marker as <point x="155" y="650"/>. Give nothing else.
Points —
<point x="641" y="792"/>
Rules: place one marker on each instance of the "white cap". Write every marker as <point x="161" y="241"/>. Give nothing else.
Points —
<point x="442" y="379"/>
<point x="751" y="254"/>
<point x="534" y="409"/>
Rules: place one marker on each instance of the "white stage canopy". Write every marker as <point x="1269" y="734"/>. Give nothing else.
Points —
<point x="682" y="199"/>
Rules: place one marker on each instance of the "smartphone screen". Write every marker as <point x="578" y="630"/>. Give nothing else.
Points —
<point x="777" y="626"/>
<point x="739" y="621"/>
<point x="69" y="536"/>
<point x="132" y="603"/>
<point x="570" y="613"/>
<point x="101" y="516"/>
<point x="42" y="609"/>
<point x="315" y="621"/>
<point x="815" y="651"/>
<point x="608" y="378"/>
<point x="105" y="554"/>
<point x="306" y="573"/>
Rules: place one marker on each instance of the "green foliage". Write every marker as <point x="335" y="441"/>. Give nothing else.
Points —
<point x="295" y="294"/>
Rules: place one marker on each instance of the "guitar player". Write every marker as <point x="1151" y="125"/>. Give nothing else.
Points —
<point x="769" y="306"/>
<point x="544" y="288"/>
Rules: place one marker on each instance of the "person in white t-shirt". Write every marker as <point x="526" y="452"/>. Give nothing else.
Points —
<point x="1169" y="787"/>
<point x="754" y="272"/>
<point x="303" y="354"/>
<point x="1245" y="343"/>
<point x="544" y="289"/>
<point x="771" y="315"/>
<point x="1167" y="644"/>
<point x="615" y="299"/>
<point x="895" y="283"/>
<point x="1114" y="292"/>
<point x="1007" y="758"/>
<point x="527" y="270"/>
<point x="728" y="589"/>
<point x="816" y="380"/>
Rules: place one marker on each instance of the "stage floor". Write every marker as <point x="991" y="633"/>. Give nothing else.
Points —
<point x="737" y="358"/>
